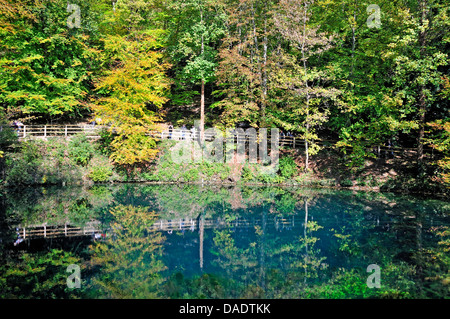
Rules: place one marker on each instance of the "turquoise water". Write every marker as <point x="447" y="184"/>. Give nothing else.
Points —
<point x="171" y="241"/>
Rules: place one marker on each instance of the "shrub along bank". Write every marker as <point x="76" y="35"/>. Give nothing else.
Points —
<point x="78" y="160"/>
<point x="55" y="161"/>
<point x="81" y="161"/>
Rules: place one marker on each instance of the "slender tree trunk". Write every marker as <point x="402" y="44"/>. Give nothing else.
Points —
<point x="201" y="228"/>
<point x="264" y="75"/>
<point x="422" y="101"/>
<point x="307" y="88"/>
<point x="262" y="260"/>
<point x="202" y="94"/>
<point x="239" y="32"/>
<point x="256" y="65"/>
<point x="422" y="111"/>
<point x="306" y="149"/>
<point x="202" y="113"/>
<point x="353" y="43"/>
<point x="305" y="236"/>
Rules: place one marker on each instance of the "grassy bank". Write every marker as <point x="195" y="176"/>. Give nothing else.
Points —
<point x="81" y="161"/>
<point x="55" y="161"/>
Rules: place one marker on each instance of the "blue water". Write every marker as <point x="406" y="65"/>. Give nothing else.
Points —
<point x="234" y="242"/>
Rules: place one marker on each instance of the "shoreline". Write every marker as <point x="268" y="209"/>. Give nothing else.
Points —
<point x="314" y="185"/>
<point x="328" y="170"/>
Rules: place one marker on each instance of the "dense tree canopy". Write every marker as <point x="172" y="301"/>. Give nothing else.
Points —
<point x="316" y="68"/>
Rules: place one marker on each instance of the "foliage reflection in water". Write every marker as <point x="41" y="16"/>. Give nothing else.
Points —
<point x="171" y="241"/>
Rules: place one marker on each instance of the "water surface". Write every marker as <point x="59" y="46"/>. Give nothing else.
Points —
<point x="172" y="241"/>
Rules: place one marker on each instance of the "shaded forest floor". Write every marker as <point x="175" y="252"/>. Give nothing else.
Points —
<point x="397" y="172"/>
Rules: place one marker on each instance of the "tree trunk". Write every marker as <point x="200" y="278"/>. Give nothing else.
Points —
<point x="201" y="227"/>
<point x="307" y="89"/>
<point x="353" y="43"/>
<point x="202" y="113"/>
<point x="264" y="75"/>
<point x="422" y="101"/>
<point x="305" y="228"/>
<point x="422" y="111"/>
<point x="202" y="95"/>
<point x="306" y="155"/>
<point x="257" y="65"/>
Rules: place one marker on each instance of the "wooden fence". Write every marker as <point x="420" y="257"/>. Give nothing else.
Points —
<point x="92" y="131"/>
<point x="53" y="231"/>
<point x="46" y="131"/>
<point x="284" y="141"/>
<point x="95" y="227"/>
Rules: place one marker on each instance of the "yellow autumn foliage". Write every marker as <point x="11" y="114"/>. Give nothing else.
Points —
<point x="132" y="94"/>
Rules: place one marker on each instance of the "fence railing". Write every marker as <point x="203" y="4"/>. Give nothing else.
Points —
<point x="95" y="227"/>
<point x="46" y="131"/>
<point x="92" y="131"/>
<point x="284" y="141"/>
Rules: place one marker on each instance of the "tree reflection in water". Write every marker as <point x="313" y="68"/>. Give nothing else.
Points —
<point x="297" y="243"/>
<point x="130" y="258"/>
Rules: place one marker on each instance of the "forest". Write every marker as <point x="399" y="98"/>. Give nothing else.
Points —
<point x="357" y="73"/>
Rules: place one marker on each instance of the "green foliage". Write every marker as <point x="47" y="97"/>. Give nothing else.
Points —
<point x="287" y="203"/>
<point x="8" y="137"/>
<point x="80" y="149"/>
<point x="346" y="183"/>
<point x="288" y="167"/>
<point x="437" y="261"/>
<point x="343" y="285"/>
<point x="104" y="143"/>
<point x="39" y="275"/>
<point x="206" y="286"/>
<point x="47" y="69"/>
<point x="131" y="266"/>
<point x="100" y="173"/>
<point x="101" y="170"/>
<point x="80" y="211"/>
<point x="440" y="141"/>
<point x="346" y="244"/>
<point x="247" y="173"/>
<point x="193" y="48"/>
<point x="296" y="65"/>
<point x="190" y="175"/>
<point x="23" y="168"/>
<point x="269" y="178"/>
<point x="56" y="161"/>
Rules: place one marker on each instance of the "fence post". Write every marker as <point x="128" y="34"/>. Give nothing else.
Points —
<point x="293" y="141"/>
<point x="24" y="131"/>
<point x="65" y="131"/>
<point x="45" y="131"/>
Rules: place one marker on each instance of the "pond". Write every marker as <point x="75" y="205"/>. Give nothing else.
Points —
<point x="191" y="241"/>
